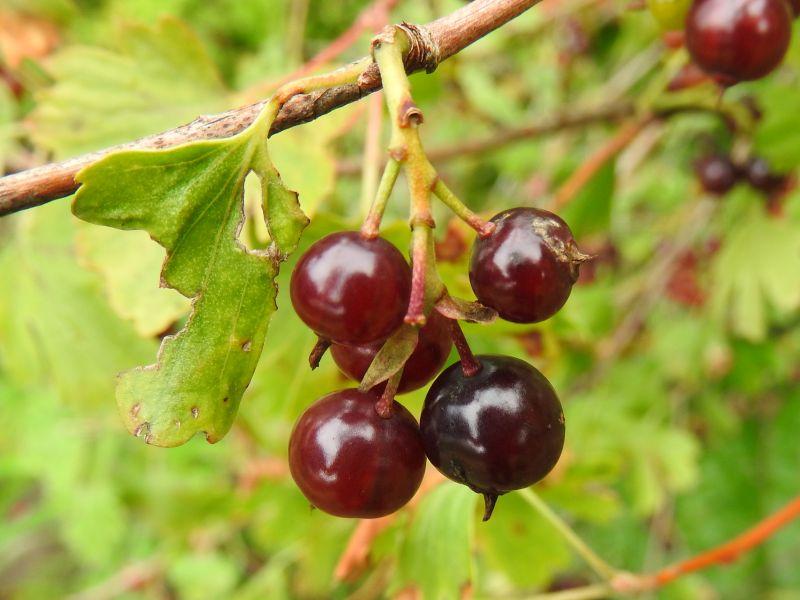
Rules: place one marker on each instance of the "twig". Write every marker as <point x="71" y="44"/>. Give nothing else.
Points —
<point x="371" y="17"/>
<point x="441" y="39"/>
<point x="596" y="161"/>
<point x="552" y="124"/>
<point x="730" y="551"/>
<point x="599" y="566"/>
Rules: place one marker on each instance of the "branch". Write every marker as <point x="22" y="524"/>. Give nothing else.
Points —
<point x="556" y="123"/>
<point x="435" y="42"/>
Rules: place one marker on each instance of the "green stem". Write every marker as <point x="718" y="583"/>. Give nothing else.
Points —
<point x="372" y="223"/>
<point x="601" y="567"/>
<point x="484" y="228"/>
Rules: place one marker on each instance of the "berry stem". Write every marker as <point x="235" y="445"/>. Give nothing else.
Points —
<point x="385" y="404"/>
<point x="601" y="567"/>
<point x="445" y="194"/>
<point x="469" y="364"/>
<point x="318" y="351"/>
<point x="372" y="223"/>
<point x="406" y="149"/>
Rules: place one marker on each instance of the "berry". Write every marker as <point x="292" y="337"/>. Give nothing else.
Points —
<point x="795" y="6"/>
<point x="717" y="174"/>
<point x="425" y="362"/>
<point x="351" y="290"/>
<point x="499" y="430"/>
<point x="526" y="268"/>
<point x="738" y="40"/>
<point x="760" y="175"/>
<point x="670" y="14"/>
<point x="350" y="462"/>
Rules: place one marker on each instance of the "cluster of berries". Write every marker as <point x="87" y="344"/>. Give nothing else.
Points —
<point x="493" y="423"/>
<point x="718" y="174"/>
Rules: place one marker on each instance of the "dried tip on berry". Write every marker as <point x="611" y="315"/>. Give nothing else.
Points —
<point x="489" y="501"/>
<point x="317" y="352"/>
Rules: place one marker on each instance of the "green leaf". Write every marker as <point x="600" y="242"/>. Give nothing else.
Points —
<point x="55" y="325"/>
<point x="437" y="554"/>
<point x="189" y="199"/>
<point x="156" y="78"/>
<point x="391" y="357"/>
<point x="521" y="544"/>
<point x="590" y="211"/>
<point x="129" y="264"/>
<point x="199" y="576"/>
<point x="756" y="272"/>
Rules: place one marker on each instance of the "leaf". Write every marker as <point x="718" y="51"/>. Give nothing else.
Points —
<point x="391" y="357"/>
<point x="8" y="113"/>
<point x="189" y="199"/>
<point x="756" y="271"/>
<point x="464" y="310"/>
<point x="590" y="211"/>
<point x="199" y="576"/>
<point x="55" y="325"/>
<point x="519" y="543"/>
<point x="442" y="533"/>
<point x="156" y="78"/>
<point x="129" y="263"/>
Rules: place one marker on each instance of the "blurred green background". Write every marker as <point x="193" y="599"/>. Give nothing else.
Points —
<point x="677" y="357"/>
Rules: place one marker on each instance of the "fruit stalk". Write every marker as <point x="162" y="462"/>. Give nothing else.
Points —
<point x="469" y="364"/>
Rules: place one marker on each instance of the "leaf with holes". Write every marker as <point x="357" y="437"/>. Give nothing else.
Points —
<point x="189" y="199"/>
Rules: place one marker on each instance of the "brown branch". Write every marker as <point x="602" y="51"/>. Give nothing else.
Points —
<point x="552" y="124"/>
<point x="447" y="36"/>
<point x="578" y="180"/>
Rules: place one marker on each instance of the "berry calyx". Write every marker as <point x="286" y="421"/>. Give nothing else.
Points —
<point x="525" y="270"/>
<point x="500" y="430"/>
<point x="717" y="174"/>
<point x="738" y="40"/>
<point x="350" y="462"/>
<point x="351" y="290"/>
<point x="428" y="358"/>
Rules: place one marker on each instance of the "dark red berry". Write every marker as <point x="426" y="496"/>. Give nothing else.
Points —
<point x="525" y="270"/>
<point x="425" y="362"/>
<point x="738" y="40"/>
<point x="795" y="6"/>
<point x="499" y="430"/>
<point x="760" y="175"/>
<point x="350" y="462"/>
<point x="351" y="290"/>
<point x="717" y="174"/>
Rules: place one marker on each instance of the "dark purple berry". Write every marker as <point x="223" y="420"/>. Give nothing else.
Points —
<point x="351" y="290"/>
<point x="499" y="430"/>
<point x="350" y="462"/>
<point x="425" y="362"/>
<point x="738" y="40"/>
<point x="525" y="270"/>
<point x="759" y="175"/>
<point x="717" y="174"/>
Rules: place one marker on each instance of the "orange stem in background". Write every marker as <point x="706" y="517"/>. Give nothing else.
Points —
<point x="730" y="551"/>
<point x="578" y="180"/>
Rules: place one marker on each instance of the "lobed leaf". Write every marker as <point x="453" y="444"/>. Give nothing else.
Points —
<point x="189" y="199"/>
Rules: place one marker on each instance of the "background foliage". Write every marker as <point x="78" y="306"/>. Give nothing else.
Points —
<point x="679" y="377"/>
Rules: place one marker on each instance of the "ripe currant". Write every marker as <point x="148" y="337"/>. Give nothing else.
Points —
<point x="500" y="430"/>
<point x="717" y="174"/>
<point x="350" y="462"/>
<point x="525" y="270"/>
<point x="428" y="358"/>
<point x="350" y="289"/>
<point x="738" y="40"/>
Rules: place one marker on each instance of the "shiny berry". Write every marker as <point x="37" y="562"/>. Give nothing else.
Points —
<point x="350" y="462"/>
<point x="351" y="290"/>
<point x="717" y="174"/>
<point x="759" y="175"/>
<point x="526" y="268"/>
<point x="670" y="14"/>
<point x="499" y="430"/>
<point x="738" y="40"/>
<point x="425" y="362"/>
